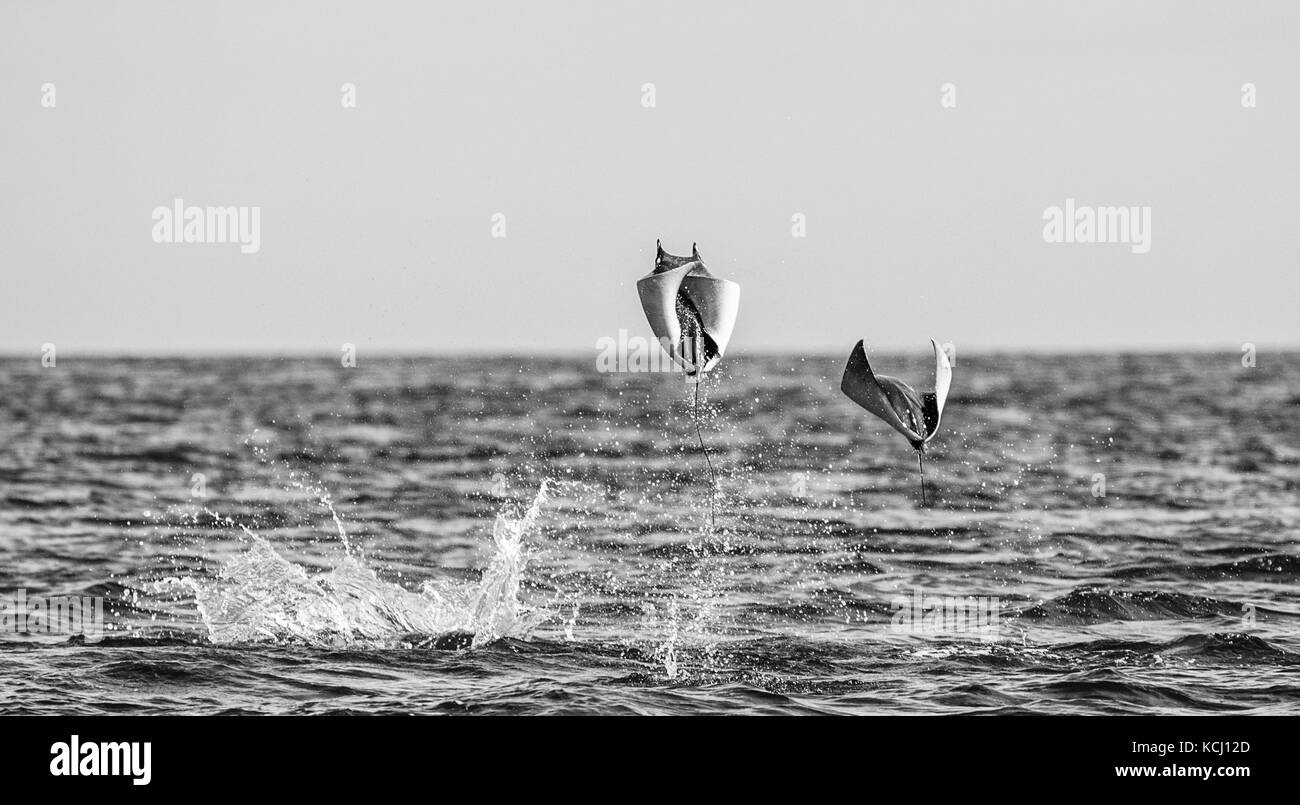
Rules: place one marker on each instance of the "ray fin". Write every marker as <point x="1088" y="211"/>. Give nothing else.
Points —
<point x="932" y="401"/>
<point x="861" y="385"/>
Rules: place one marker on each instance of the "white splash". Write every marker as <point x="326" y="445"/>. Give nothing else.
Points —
<point x="259" y="596"/>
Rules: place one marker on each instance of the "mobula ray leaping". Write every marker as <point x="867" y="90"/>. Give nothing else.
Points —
<point x="915" y="415"/>
<point x="692" y="313"/>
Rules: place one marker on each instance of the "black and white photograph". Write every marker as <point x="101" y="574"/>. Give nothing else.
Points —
<point x="625" y="359"/>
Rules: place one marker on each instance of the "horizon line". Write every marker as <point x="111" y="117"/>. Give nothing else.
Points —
<point x="408" y="352"/>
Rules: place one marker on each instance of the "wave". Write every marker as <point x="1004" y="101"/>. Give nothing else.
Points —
<point x="1228" y="646"/>
<point x="1274" y="567"/>
<point x="1091" y="605"/>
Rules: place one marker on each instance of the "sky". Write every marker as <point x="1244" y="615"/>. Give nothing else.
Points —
<point x="920" y="218"/>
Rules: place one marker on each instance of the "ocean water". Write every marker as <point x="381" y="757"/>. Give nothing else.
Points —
<point x="1105" y="534"/>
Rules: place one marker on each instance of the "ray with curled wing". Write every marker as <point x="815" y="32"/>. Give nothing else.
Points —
<point x="690" y="311"/>
<point x="914" y="414"/>
<point x="692" y="314"/>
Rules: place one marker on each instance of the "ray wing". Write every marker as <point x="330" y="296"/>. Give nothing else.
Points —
<point x="861" y="385"/>
<point x="717" y="301"/>
<point x="932" y="401"/>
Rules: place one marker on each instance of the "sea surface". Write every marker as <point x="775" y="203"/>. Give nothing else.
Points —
<point x="1104" y="534"/>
